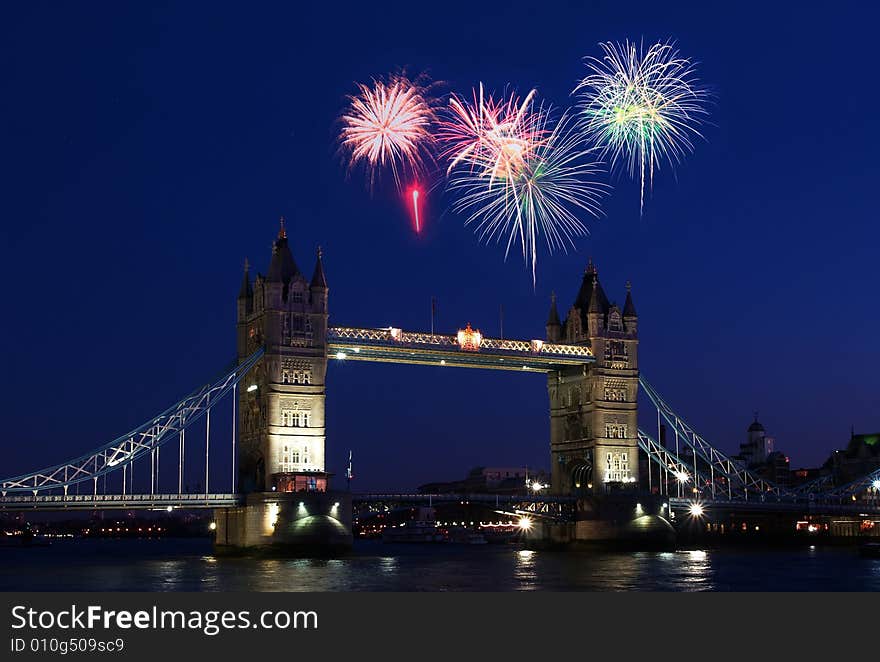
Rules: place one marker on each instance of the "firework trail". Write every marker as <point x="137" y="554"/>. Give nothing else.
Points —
<point x="388" y="125"/>
<point x="415" y="204"/>
<point x="641" y="107"/>
<point x="527" y="179"/>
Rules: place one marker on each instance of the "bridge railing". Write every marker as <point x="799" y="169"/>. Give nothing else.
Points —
<point x="397" y="337"/>
<point x="117" y="501"/>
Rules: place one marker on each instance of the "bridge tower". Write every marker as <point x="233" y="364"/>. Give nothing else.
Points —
<point x="281" y="406"/>
<point x="593" y="409"/>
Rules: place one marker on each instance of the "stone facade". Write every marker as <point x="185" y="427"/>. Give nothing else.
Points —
<point x="316" y="522"/>
<point x="281" y="403"/>
<point x="593" y="409"/>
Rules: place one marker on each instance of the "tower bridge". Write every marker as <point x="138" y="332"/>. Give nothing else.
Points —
<point x="278" y="489"/>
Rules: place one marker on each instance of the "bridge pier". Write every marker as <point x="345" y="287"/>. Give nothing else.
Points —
<point x="626" y="520"/>
<point x="286" y="523"/>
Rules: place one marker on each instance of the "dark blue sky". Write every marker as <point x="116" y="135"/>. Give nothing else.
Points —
<point x="146" y="151"/>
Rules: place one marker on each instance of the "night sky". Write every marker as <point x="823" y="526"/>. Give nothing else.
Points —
<point x="148" y="150"/>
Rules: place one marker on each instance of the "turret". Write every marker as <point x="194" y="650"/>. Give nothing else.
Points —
<point x="318" y="285"/>
<point x="595" y="310"/>
<point x="630" y="318"/>
<point x="554" y="327"/>
<point x="245" y="295"/>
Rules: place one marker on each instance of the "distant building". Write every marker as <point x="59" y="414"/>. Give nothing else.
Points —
<point x="860" y="457"/>
<point x="498" y="480"/>
<point x="757" y="454"/>
<point x="757" y="447"/>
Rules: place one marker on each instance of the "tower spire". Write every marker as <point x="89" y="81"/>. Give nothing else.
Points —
<point x="245" y="292"/>
<point x="282" y="232"/>
<point x="318" y="278"/>
<point x="629" y="308"/>
<point x="553" y="318"/>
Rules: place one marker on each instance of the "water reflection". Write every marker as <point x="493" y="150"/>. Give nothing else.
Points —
<point x="189" y="566"/>
<point x="525" y="570"/>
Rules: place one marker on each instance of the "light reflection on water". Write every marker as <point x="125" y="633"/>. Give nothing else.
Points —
<point x="189" y="565"/>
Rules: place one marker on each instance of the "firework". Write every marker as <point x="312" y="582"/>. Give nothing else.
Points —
<point x="641" y="107"/>
<point x="492" y="137"/>
<point x="540" y="193"/>
<point x="387" y="125"/>
<point x="415" y="205"/>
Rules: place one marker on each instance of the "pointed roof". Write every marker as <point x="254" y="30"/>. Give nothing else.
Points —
<point x="282" y="267"/>
<point x="318" y="278"/>
<point x="590" y="284"/>
<point x="245" y="292"/>
<point x="553" y="319"/>
<point x="629" y="309"/>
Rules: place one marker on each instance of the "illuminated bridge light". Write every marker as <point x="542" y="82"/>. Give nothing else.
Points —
<point x="696" y="510"/>
<point x="251" y="388"/>
<point x="341" y="355"/>
<point x="876" y="484"/>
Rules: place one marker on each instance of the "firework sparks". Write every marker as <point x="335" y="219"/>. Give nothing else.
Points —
<point x="388" y="125"/>
<point x="537" y="193"/>
<point x="493" y="137"/>
<point x="641" y="107"/>
<point x="415" y="204"/>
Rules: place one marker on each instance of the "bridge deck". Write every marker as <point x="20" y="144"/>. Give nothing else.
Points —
<point x="396" y="346"/>
<point x="781" y="506"/>
<point x="118" y="501"/>
<point x="395" y="497"/>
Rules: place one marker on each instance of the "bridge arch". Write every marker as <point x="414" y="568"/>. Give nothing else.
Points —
<point x="580" y="474"/>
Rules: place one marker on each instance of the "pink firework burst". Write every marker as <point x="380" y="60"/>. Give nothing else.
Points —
<point x="387" y="125"/>
<point x="493" y="137"/>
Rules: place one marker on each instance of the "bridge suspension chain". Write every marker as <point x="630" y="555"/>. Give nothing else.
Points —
<point x="146" y="439"/>
<point x="740" y="481"/>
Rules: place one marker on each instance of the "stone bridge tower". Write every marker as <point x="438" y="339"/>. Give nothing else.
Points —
<point x="593" y="409"/>
<point x="281" y="404"/>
